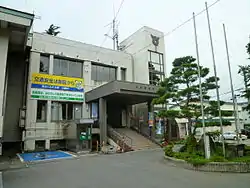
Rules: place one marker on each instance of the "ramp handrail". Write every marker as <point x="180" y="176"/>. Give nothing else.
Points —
<point x="126" y="140"/>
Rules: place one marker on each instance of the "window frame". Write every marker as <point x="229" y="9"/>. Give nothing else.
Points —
<point x="123" y="74"/>
<point x="60" y="117"/>
<point x="159" y="73"/>
<point x="45" y="111"/>
<point x="68" y="62"/>
<point x="48" y="66"/>
<point x="95" y="72"/>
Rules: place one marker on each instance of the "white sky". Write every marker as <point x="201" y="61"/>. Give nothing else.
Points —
<point x="85" y="20"/>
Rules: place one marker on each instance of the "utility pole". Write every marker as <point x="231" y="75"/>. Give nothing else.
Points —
<point x="231" y="84"/>
<point x="216" y="79"/>
<point x="206" y="144"/>
<point x="114" y="33"/>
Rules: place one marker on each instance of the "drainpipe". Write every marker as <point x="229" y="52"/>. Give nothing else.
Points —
<point x="133" y="67"/>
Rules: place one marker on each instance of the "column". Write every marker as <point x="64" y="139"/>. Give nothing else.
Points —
<point x="29" y="143"/>
<point x="150" y="126"/>
<point x="87" y="87"/>
<point x="129" y="115"/>
<point x="118" y="73"/>
<point x="51" y="65"/>
<point x="103" y="120"/>
<point x="4" y="43"/>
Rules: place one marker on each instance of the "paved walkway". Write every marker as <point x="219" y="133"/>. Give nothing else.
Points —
<point x="141" y="169"/>
<point x="138" y="141"/>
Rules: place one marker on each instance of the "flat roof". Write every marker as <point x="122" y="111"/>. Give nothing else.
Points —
<point x="18" y="13"/>
<point x="123" y="92"/>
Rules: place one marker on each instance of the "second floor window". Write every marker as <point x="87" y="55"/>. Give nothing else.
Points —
<point x="44" y="64"/>
<point x="70" y="68"/>
<point x="103" y="73"/>
<point x="123" y="74"/>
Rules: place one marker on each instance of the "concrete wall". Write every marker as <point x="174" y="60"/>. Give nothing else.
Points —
<point x="46" y="44"/>
<point x="14" y="97"/>
<point x="138" y="45"/>
<point x="4" y="42"/>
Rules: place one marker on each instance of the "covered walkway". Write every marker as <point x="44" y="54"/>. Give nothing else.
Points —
<point x="115" y="101"/>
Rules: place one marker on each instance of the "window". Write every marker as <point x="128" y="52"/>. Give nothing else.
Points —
<point x="156" y="68"/>
<point x="65" y="111"/>
<point x="41" y="113"/>
<point x="44" y="64"/>
<point x="64" y="67"/>
<point x="123" y="74"/>
<point x="103" y="73"/>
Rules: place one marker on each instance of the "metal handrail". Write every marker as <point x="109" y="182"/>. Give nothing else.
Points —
<point x="121" y="136"/>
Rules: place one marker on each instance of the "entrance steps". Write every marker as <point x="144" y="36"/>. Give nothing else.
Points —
<point x="139" y="142"/>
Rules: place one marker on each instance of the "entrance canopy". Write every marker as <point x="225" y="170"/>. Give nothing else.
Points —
<point x="122" y="92"/>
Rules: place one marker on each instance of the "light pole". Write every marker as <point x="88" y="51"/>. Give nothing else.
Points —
<point x="216" y="79"/>
<point x="206" y="141"/>
<point x="231" y="85"/>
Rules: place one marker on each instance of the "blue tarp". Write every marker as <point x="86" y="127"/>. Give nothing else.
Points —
<point x="41" y="156"/>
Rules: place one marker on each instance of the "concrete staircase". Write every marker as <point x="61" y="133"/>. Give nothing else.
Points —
<point x="139" y="142"/>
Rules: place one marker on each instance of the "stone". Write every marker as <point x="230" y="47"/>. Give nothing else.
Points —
<point x="178" y="148"/>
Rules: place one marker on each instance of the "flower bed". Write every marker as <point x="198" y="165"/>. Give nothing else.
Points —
<point x="240" y="167"/>
<point x="195" y="160"/>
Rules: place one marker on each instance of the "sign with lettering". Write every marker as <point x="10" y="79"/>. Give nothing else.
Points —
<point x="57" y="88"/>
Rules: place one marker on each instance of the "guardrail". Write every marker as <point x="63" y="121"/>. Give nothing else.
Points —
<point x="124" y="141"/>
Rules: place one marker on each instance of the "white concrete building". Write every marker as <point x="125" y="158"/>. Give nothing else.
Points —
<point x="228" y="106"/>
<point x="47" y="81"/>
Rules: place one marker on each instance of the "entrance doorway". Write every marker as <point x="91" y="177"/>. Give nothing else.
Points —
<point x="114" y="114"/>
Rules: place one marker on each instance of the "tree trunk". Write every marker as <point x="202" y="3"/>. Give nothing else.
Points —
<point x="189" y="126"/>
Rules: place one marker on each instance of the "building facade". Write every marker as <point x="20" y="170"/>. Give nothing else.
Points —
<point x="47" y="81"/>
<point x="227" y="107"/>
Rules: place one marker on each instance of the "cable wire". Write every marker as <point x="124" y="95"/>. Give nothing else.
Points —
<point x="179" y="26"/>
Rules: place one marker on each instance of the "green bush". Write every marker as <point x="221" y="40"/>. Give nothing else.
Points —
<point x="245" y="159"/>
<point x="247" y="148"/>
<point x="182" y="155"/>
<point x="247" y="153"/>
<point x="213" y="123"/>
<point x="182" y="141"/>
<point x="169" y="150"/>
<point x="218" y="158"/>
<point x="191" y="144"/>
<point x="198" y="161"/>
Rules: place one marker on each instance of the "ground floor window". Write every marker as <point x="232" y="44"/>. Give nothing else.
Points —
<point x="41" y="113"/>
<point x="65" y="111"/>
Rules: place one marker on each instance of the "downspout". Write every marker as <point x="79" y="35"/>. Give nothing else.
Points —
<point x="133" y="67"/>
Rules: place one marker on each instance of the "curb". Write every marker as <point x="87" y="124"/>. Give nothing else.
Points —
<point x="225" y="167"/>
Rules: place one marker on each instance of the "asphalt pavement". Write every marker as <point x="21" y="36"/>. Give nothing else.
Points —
<point x="141" y="169"/>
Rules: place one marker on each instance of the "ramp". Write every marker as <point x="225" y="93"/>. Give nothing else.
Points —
<point x="138" y="141"/>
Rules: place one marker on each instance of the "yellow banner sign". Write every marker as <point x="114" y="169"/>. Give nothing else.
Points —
<point x="47" y="81"/>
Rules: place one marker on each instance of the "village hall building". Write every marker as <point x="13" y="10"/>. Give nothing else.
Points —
<point x="47" y="81"/>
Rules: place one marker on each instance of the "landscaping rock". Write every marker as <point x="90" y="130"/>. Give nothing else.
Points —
<point x="178" y="148"/>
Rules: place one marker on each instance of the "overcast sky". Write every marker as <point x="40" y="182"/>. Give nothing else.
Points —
<point x="85" y="20"/>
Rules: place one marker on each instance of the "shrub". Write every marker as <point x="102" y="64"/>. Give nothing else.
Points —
<point x="169" y="150"/>
<point x="182" y="155"/>
<point x="245" y="159"/>
<point x="181" y="141"/>
<point x="198" y="161"/>
<point x="191" y="144"/>
<point x="247" y="148"/>
<point x="218" y="158"/>
<point x="247" y="153"/>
